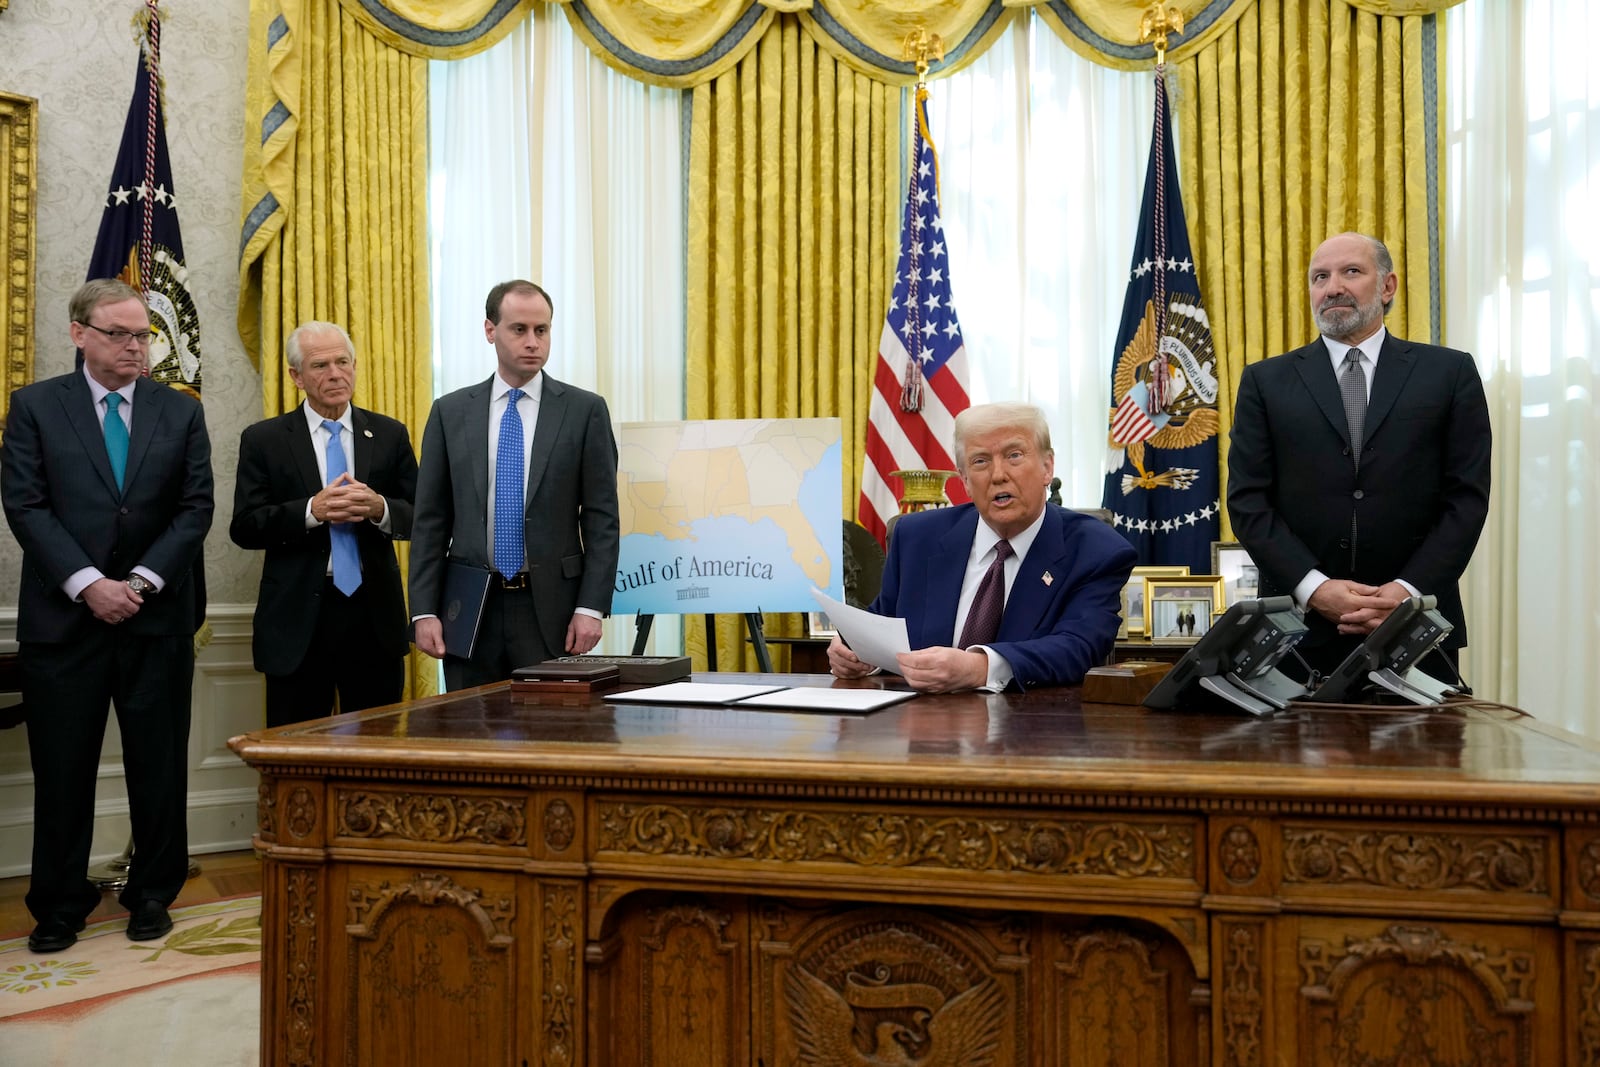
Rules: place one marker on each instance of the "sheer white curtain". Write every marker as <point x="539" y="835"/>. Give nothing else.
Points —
<point x="546" y="164"/>
<point x="1041" y="169"/>
<point x="1523" y="294"/>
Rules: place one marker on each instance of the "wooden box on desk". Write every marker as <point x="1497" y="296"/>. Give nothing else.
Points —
<point x="1127" y="682"/>
<point x="554" y="676"/>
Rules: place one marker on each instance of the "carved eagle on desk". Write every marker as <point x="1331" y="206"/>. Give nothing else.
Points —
<point x="923" y="1030"/>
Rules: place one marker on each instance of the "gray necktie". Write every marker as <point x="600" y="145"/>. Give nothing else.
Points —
<point x="1353" y="388"/>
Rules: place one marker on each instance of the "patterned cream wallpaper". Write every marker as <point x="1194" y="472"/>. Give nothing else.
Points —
<point x="77" y="58"/>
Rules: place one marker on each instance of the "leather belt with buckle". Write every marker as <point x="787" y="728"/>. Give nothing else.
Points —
<point x="518" y="580"/>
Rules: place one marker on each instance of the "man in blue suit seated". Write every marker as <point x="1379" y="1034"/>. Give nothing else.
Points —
<point x="1034" y="590"/>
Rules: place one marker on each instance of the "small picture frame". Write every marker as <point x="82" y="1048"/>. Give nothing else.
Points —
<point x="1241" y="579"/>
<point x="819" y="625"/>
<point x="1133" y="596"/>
<point x="1179" y="610"/>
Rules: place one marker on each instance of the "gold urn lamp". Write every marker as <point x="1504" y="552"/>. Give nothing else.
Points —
<point x="922" y="489"/>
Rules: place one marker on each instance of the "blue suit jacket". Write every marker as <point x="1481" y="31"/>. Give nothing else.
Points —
<point x="1064" y="609"/>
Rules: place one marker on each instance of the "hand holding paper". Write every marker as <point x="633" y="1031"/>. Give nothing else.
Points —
<point x="875" y="639"/>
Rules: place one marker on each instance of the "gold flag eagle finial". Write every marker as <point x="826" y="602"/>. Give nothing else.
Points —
<point x="1156" y="23"/>
<point x="919" y="45"/>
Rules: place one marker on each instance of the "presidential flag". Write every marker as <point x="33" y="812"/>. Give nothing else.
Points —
<point x="920" y="379"/>
<point x="1162" y="485"/>
<point x="139" y="240"/>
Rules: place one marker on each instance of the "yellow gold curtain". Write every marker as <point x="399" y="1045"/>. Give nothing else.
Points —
<point x="335" y="216"/>
<point x="794" y="193"/>
<point x="1299" y="121"/>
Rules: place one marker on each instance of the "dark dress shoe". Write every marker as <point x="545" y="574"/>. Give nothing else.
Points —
<point x="148" y="921"/>
<point x="54" y="935"/>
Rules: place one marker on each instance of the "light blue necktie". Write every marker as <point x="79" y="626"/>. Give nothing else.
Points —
<point x="116" y="432"/>
<point x="346" y="559"/>
<point x="508" y="485"/>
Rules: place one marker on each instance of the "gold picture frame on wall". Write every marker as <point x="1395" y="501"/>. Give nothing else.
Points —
<point x="19" y="139"/>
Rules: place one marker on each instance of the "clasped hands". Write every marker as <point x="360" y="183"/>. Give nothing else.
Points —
<point x="112" y="601"/>
<point x="347" y="500"/>
<point x="939" y="669"/>
<point x="1356" y="608"/>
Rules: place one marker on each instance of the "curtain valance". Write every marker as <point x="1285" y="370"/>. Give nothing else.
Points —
<point x="438" y="29"/>
<point x="683" y="43"/>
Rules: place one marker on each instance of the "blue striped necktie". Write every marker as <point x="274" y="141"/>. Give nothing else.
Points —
<point x="508" y="485"/>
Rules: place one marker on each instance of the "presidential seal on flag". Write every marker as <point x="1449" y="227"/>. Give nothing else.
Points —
<point x="1166" y="392"/>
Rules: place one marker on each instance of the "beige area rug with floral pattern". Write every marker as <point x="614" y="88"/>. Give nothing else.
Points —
<point x="192" y="997"/>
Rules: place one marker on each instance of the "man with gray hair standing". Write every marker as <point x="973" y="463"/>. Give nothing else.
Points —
<point x="326" y="489"/>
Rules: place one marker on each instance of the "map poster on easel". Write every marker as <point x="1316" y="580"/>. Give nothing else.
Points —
<point x="728" y="516"/>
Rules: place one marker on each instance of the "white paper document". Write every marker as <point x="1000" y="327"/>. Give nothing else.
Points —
<point x="875" y="639"/>
<point x="691" y="693"/>
<point x="816" y="698"/>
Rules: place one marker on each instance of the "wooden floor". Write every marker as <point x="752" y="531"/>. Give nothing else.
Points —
<point x="222" y="874"/>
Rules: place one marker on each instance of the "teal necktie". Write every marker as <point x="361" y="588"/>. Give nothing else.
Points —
<point x="116" y="432"/>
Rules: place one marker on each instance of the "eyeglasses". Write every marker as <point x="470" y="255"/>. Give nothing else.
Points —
<point x="120" y="337"/>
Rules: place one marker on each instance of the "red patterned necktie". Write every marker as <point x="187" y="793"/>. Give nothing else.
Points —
<point x="989" y="603"/>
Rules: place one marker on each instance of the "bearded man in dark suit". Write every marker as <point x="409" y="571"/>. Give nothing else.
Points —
<point x="330" y="617"/>
<point x="1358" y="473"/>
<point x="106" y="481"/>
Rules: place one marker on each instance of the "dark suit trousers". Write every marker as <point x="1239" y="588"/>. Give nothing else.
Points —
<point x="343" y="657"/>
<point x="508" y="638"/>
<point x="68" y="688"/>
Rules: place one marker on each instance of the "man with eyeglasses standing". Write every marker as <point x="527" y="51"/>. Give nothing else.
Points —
<point x="1009" y="590"/>
<point x="326" y="490"/>
<point x="106" y="482"/>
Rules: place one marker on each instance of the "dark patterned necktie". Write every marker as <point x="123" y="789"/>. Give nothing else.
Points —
<point x="1353" y="388"/>
<point x="989" y="603"/>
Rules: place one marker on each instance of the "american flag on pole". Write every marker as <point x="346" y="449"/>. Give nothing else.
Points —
<point x="139" y="241"/>
<point x="920" y="381"/>
<point x="1162" y="480"/>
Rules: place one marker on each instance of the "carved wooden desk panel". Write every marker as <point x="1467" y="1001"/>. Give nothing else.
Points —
<point x="963" y="880"/>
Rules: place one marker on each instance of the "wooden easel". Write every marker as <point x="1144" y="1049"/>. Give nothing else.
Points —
<point x="752" y="622"/>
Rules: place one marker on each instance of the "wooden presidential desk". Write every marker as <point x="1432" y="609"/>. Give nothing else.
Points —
<point x="963" y="880"/>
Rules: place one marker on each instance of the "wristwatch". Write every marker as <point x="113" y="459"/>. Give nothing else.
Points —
<point x="140" y="584"/>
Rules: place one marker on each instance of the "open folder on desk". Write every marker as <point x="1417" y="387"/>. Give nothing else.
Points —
<point x="736" y="695"/>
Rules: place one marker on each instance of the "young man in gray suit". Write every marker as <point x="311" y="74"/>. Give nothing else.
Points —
<point x="106" y="480"/>
<point x="1358" y="473"/>
<point x="518" y="477"/>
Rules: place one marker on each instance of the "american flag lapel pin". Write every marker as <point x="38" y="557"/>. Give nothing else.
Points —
<point x="1046" y="578"/>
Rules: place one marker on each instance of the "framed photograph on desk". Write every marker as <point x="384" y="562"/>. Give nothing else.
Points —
<point x="1133" y="596"/>
<point x="1241" y="580"/>
<point x="819" y="625"/>
<point x="1179" y="609"/>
